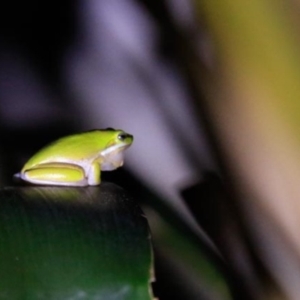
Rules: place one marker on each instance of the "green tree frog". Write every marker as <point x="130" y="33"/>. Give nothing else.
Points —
<point x="77" y="160"/>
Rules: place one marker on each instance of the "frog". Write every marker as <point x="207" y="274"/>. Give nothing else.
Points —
<point x="77" y="159"/>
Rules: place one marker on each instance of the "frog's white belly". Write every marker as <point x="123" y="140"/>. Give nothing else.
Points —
<point x="113" y="157"/>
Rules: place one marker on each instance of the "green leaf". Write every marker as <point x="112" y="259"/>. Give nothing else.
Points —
<point x="73" y="243"/>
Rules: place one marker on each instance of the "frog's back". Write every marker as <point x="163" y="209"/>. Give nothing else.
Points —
<point x="75" y="147"/>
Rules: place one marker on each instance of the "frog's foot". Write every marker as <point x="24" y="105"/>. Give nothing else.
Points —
<point x="55" y="174"/>
<point x="17" y="176"/>
<point x="93" y="175"/>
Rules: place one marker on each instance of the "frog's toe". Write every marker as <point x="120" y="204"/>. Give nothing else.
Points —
<point x="17" y="177"/>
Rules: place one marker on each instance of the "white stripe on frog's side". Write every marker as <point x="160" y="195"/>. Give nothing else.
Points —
<point x="111" y="149"/>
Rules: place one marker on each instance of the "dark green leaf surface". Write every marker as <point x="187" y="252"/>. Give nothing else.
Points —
<point x="73" y="243"/>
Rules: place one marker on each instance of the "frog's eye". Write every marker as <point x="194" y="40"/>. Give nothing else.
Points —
<point x="122" y="136"/>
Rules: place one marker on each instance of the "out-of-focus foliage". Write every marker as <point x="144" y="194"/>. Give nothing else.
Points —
<point x="253" y="105"/>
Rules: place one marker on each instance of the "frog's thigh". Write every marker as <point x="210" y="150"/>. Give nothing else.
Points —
<point x="56" y="174"/>
<point x="94" y="174"/>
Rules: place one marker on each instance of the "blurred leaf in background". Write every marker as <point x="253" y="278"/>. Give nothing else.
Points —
<point x="252" y="104"/>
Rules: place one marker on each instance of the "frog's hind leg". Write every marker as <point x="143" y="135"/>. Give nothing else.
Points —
<point x="61" y="174"/>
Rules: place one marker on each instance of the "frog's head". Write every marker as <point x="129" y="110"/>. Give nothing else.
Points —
<point x="112" y="155"/>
